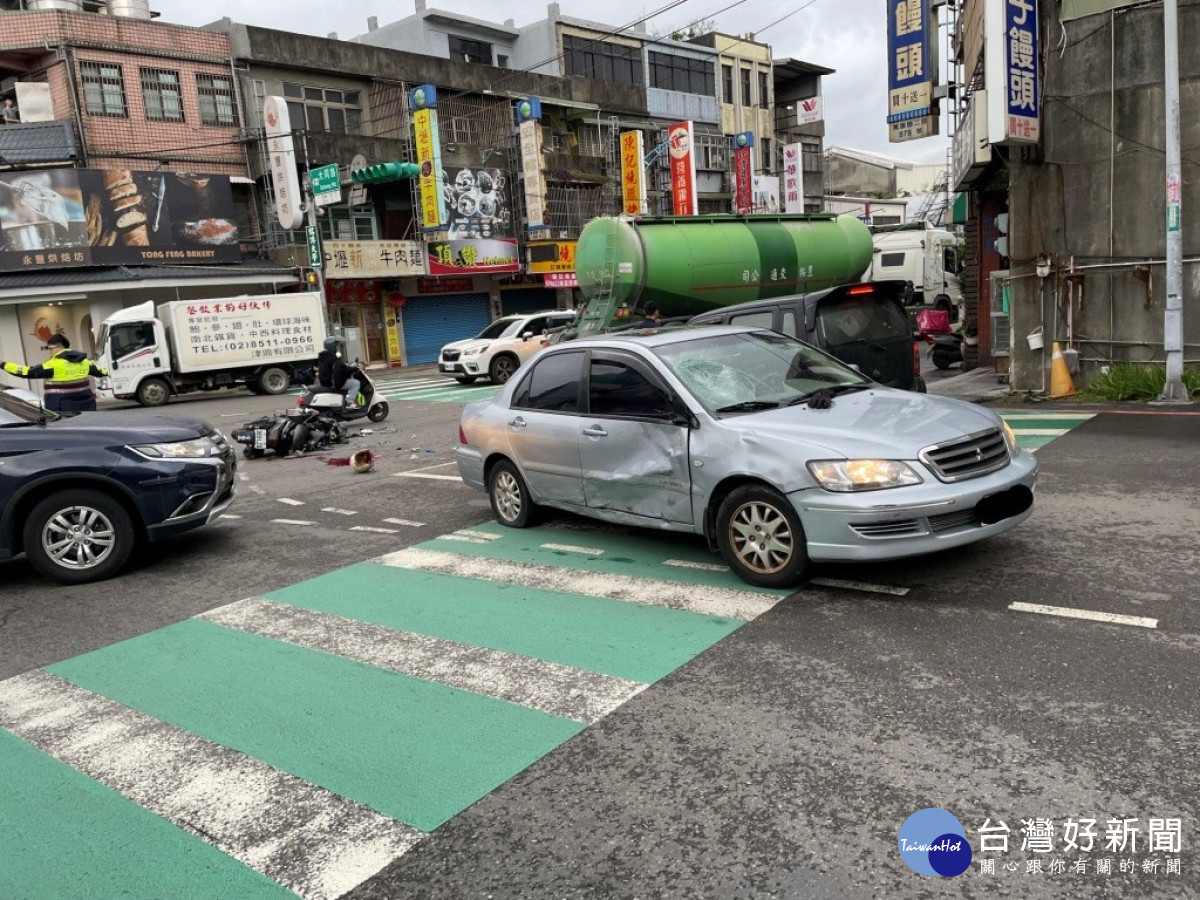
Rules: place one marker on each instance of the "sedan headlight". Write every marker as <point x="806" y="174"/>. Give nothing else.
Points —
<point x="194" y="449"/>
<point x="1010" y="438"/>
<point x="474" y="351"/>
<point x="845" y="475"/>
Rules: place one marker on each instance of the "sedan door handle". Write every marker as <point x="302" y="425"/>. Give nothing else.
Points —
<point x="518" y="422"/>
<point x="594" y="431"/>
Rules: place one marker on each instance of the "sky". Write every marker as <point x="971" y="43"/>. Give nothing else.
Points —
<point x="847" y="35"/>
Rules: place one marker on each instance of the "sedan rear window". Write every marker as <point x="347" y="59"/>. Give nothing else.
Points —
<point x="858" y="319"/>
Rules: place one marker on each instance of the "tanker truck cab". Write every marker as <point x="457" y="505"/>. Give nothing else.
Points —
<point x="926" y="257"/>
<point x="133" y="348"/>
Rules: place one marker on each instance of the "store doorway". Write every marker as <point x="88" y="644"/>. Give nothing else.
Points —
<point x="368" y="320"/>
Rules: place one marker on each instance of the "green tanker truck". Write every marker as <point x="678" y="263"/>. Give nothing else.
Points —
<point x="688" y="265"/>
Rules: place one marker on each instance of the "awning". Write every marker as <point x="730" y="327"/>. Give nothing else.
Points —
<point x="32" y="143"/>
<point x="42" y="286"/>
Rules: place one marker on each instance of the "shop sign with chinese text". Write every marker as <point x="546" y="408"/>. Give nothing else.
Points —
<point x="793" y="178"/>
<point x="912" y="71"/>
<point x="633" y="185"/>
<point x="374" y="259"/>
<point x="422" y="100"/>
<point x="551" y="256"/>
<point x="743" y="173"/>
<point x="1011" y="73"/>
<point x="465" y="257"/>
<point x="562" y="280"/>
<point x="680" y="147"/>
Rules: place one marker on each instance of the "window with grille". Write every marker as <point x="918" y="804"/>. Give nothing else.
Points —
<point x="103" y="89"/>
<point x="217" y="106"/>
<point x="681" y="73"/>
<point x="466" y="50"/>
<point x="323" y="109"/>
<point x="811" y="156"/>
<point x="341" y="223"/>
<point x="602" y="60"/>
<point x="161" y="96"/>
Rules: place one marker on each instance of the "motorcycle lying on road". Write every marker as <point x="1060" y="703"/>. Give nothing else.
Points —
<point x="296" y="431"/>
<point x="334" y="403"/>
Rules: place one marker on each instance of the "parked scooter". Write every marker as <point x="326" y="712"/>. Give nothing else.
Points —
<point x="337" y="406"/>
<point x="933" y="327"/>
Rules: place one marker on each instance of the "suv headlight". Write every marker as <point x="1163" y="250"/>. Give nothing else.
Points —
<point x="475" y="351"/>
<point x="846" y="475"/>
<point x="198" y="448"/>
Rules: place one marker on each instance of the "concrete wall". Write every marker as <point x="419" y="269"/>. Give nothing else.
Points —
<point x="1097" y="195"/>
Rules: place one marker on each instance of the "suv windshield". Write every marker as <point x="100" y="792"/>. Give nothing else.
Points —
<point x="15" y="411"/>
<point x="754" y="370"/>
<point x="499" y="329"/>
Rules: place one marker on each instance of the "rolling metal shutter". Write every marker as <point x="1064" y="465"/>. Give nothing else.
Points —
<point x="521" y="301"/>
<point x="432" y="322"/>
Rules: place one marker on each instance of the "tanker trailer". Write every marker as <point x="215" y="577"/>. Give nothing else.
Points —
<point x="687" y="265"/>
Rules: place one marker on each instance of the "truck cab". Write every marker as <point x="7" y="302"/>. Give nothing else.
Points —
<point x="926" y="257"/>
<point x="135" y="351"/>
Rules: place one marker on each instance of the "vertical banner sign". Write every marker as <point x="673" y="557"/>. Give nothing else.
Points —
<point x="633" y="184"/>
<point x="912" y="70"/>
<point x="282" y="152"/>
<point x="793" y="179"/>
<point x="422" y="101"/>
<point x="529" y="127"/>
<point x="743" y="173"/>
<point x="1020" y="70"/>
<point x="683" y="169"/>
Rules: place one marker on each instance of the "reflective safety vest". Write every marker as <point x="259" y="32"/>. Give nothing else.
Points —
<point x="66" y="372"/>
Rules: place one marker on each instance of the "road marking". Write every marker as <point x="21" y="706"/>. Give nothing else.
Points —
<point x="242" y="476"/>
<point x="537" y="684"/>
<point x="292" y="522"/>
<point x="427" y="475"/>
<point x="229" y="516"/>
<point x="712" y="601"/>
<point x="256" y="489"/>
<point x="374" y="530"/>
<point x="688" y="564"/>
<point x="438" y="466"/>
<point x="1066" y="612"/>
<point x="860" y="586"/>
<point x="312" y="841"/>
<point x="408" y="522"/>
<point x="1040" y="432"/>
<point x="485" y="536"/>
<point x="340" y="512"/>
<point x="572" y="548"/>
<point x="290" y="502"/>
<point x="463" y="538"/>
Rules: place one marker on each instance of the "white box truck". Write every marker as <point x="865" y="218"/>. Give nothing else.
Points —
<point x="152" y="353"/>
<point x="927" y="257"/>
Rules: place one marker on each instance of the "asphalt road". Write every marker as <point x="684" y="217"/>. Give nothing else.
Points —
<point x="783" y="760"/>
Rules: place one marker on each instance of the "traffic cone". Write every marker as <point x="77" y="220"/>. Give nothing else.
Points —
<point x="1061" y="384"/>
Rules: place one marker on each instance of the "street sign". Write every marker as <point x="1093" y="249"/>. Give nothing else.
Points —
<point x="358" y="192"/>
<point x="314" y="247"/>
<point x="326" y="184"/>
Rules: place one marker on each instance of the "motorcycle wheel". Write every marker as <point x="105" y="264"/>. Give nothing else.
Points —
<point x="943" y="360"/>
<point x="251" y="453"/>
<point x="378" y="411"/>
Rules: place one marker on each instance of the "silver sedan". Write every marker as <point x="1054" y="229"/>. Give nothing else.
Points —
<point x="773" y="450"/>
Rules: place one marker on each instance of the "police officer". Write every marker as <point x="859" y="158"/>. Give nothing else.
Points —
<point x="67" y="375"/>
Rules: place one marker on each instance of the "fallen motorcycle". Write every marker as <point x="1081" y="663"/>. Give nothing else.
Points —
<point x="292" y="432"/>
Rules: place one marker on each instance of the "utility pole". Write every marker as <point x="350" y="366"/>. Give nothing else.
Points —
<point x="1174" y="390"/>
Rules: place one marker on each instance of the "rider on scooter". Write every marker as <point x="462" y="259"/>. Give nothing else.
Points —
<point x="334" y="374"/>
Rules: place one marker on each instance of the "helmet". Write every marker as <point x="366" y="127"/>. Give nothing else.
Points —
<point x="331" y="343"/>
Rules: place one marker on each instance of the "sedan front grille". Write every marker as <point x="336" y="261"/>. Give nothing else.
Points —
<point x="970" y="457"/>
<point x="949" y="521"/>
<point x="889" y="529"/>
<point x="450" y="355"/>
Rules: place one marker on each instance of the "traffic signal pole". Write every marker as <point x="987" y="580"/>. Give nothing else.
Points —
<point x="1174" y="390"/>
<point x="310" y="206"/>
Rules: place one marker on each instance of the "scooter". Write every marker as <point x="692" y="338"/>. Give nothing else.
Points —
<point x="334" y="403"/>
<point x="933" y="327"/>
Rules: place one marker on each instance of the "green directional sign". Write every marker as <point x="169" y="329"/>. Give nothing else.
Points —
<point x="326" y="184"/>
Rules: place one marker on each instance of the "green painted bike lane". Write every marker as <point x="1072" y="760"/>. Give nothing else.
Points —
<point x="415" y="750"/>
<point x="1037" y="428"/>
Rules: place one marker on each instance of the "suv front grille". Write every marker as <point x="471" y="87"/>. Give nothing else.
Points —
<point x="970" y="457"/>
<point x="450" y="355"/>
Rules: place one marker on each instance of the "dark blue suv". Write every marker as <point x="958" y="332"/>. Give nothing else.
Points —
<point x="77" y="493"/>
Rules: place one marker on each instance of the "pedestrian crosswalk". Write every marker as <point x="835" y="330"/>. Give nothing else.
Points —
<point x="437" y="389"/>
<point x="297" y="742"/>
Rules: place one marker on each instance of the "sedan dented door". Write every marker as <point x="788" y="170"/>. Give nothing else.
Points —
<point x="636" y="467"/>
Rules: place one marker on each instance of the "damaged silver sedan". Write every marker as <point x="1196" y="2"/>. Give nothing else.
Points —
<point x="773" y="450"/>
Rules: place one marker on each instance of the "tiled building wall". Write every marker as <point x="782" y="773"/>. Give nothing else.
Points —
<point x="134" y="141"/>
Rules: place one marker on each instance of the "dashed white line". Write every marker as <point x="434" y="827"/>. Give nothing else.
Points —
<point x="409" y="522"/>
<point x="860" y="586"/>
<point x="229" y="516"/>
<point x="340" y="512"/>
<point x="290" y="502"/>
<point x="375" y="530"/>
<point x="1068" y="613"/>
<point x="482" y="535"/>
<point x="572" y="548"/>
<point x="256" y="489"/>
<point x="292" y="522"/>
<point x="426" y="475"/>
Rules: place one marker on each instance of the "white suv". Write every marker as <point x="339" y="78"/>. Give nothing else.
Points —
<point x="498" y="350"/>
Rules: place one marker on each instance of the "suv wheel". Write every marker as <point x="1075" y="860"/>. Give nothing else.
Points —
<point x="78" y="535"/>
<point x="502" y="368"/>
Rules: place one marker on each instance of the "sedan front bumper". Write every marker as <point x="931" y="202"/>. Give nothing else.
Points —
<point x="913" y="521"/>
